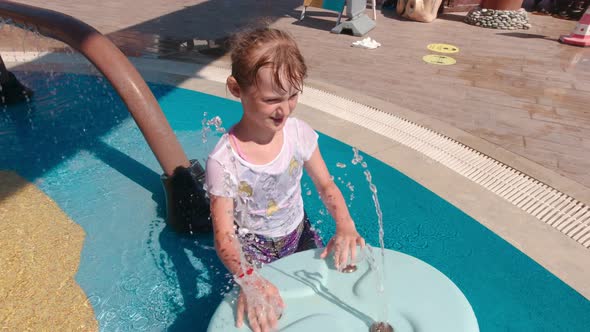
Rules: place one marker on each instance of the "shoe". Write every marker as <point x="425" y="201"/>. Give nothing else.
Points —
<point x="562" y="15"/>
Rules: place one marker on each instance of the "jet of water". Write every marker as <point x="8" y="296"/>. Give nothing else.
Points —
<point x="358" y="159"/>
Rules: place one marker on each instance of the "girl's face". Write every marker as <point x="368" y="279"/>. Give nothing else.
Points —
<point x="266" y="105"/>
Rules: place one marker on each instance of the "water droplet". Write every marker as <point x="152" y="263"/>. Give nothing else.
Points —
<point x="130" y="284"/>
<point x="110" y="315"/>
<point x="140" y="323"/>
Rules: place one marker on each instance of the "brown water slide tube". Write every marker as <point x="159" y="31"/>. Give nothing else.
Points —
<point x="187" y="208"/>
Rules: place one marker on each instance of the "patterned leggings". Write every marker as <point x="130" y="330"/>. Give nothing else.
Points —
<point x="261" y="249"/>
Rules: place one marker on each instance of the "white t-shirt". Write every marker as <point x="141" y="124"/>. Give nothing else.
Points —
<point x="267" y="198"/>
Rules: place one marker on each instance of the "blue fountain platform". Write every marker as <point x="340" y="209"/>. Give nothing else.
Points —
<point x="417" y="297"/>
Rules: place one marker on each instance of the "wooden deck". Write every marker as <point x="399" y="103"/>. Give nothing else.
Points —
<point x="520" y="90"/>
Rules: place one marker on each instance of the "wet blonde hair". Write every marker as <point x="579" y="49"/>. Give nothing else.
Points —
<point x="257" y="48"/>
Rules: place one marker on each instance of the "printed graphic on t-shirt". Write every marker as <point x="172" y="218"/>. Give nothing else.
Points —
<point x="245" y="189"/>
<point x="293" y="166"/>
<point x="271" y="208"/>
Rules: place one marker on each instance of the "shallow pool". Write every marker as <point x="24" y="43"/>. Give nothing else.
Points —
<point x="78" y="144"/>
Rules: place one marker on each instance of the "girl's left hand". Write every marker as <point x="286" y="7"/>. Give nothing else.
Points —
<point x="344" y="243"/>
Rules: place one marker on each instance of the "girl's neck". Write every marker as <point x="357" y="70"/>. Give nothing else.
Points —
<point x="247" y="133"/>
<point x="254" y="145"/>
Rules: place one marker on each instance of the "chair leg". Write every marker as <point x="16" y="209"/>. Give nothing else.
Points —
<point x="339" y="17"/>
<point x="374" y="10"/>
<point x="302" y="13"/>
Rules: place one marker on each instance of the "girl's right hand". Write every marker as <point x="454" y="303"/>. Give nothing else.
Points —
<point x="262" y="303"/>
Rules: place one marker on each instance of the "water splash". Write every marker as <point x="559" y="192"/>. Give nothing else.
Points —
<point x="351" y="189"/>
<point x="251" y="283"/>
<point x="358" y="159"/>
<point x="206" y="129"/>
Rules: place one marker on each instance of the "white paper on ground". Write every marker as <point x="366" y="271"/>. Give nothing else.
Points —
<point x="366" y="43"/>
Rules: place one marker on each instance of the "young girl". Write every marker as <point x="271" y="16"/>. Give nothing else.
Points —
<point x="254" y="173"/>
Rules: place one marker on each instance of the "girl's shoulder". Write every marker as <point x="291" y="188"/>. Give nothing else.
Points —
<point x="303" y="137"/>
<point x="294" y="121"/>
<point x="222" y="150"/>
<point x="296" y="125"/>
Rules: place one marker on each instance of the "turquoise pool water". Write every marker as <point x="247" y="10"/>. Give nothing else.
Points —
<point x="77" y="143"/>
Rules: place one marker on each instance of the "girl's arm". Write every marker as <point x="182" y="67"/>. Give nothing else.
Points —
<point x="346" y="238"/>
<point x="262" y="314"/>
<point x="223" y="231"/>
